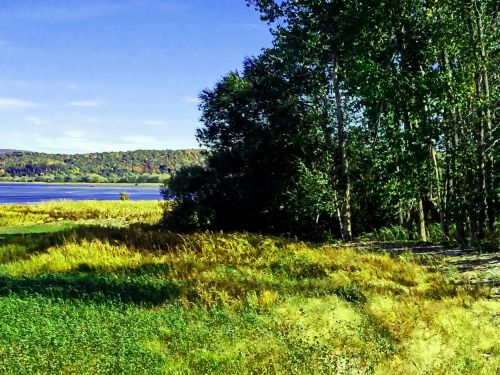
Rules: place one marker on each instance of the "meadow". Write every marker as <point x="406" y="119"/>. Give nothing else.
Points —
<point x="100" y="288"/>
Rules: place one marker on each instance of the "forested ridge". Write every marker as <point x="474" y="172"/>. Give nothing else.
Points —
<point x="129" y="166"/>
<point x="362" y="115"/>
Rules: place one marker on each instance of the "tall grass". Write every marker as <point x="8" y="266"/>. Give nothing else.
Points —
<point x="129" y="298"/>
<point x="397" y="233"/>
<point x="49" y="212"/>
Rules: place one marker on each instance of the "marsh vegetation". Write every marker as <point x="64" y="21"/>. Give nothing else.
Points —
<point x="100" y="288"/>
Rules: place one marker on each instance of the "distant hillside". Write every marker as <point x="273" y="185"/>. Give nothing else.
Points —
<point x="131" y="166"/>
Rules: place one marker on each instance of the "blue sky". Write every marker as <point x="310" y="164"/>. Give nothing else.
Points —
<point x="100" y="75"/>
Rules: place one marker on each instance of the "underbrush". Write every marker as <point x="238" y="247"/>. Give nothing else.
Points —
<point x="397" y="233"/>
<point x="130" y="298"/>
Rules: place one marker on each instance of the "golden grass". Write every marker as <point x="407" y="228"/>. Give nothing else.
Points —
<point x="71" y="256"/>
<point x="54" y="211"/>
<point x="341" y="309"/>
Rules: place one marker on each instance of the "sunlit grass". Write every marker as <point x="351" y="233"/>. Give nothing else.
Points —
<point x="127" y="211"/>
<point x="124" y="297"/>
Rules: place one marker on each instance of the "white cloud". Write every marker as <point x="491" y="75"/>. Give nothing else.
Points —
<point x="74" y="134"/>
<point x="34" y="120"/>
<point x="92" y="120"/>
<point x="12" y="103"/>
<point x="142" y="141"/>
<point x="74" y="141"/>
<point x="85" y="104"/>
<point x="77" y="133"/>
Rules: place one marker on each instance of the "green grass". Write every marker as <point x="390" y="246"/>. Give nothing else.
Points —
<point x="92" y="288"/>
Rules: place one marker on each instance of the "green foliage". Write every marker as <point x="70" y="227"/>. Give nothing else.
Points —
<point x="363" y="115"/>
<point x="399" y="233"/>
<point x="265" y="153"/>
<point x="142" y="166"/>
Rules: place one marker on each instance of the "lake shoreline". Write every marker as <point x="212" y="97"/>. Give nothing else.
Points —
<point x="82" y="183"/>
<point x="27" y="193"/>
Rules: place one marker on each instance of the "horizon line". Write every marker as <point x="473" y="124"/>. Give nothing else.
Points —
<point x="6" y="150"/>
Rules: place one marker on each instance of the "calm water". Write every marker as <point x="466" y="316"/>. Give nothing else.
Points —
<point x="32" y="193"/>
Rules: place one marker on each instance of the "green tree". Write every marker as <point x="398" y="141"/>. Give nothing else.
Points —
<point x="381" y="112"/>
<point x="267" y="168"/>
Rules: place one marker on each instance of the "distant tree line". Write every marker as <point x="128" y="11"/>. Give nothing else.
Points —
<point x="363" y="114"/>
<point x="140" y="166"/>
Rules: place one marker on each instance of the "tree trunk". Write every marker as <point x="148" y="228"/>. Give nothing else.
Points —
<point x="472" y="204"/>
<point x="441" y="204"/>
<point x="458" y="195"/>
<point x="480" y="188"/>
<point x="487" y="162"/>
<point x="345" y="186"/>
<point x="421" y="229"/>
<point x="460" y="231"/>
<point x="449" y="123"/>
<point x="475" y="176"/>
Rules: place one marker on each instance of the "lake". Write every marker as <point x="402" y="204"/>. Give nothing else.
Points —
<point x="33" y="192"/>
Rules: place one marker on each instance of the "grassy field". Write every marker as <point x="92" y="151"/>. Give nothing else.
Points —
<point x="97" y="288"/>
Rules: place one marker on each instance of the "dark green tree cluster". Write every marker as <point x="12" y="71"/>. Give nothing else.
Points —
<point x="362" y="114"/>
<point x="267" y="169"/>
<point x="141" y="166"/>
